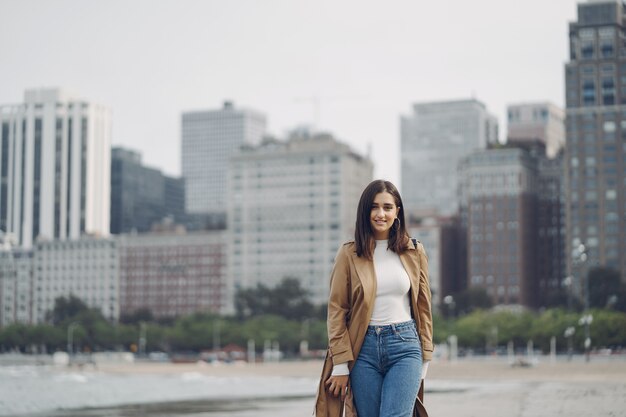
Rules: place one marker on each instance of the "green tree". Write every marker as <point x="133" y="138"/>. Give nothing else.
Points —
<point x="49" y="337"/>
<point x="288" y="299"/>
<point x="471" y="330"/>
<point x="474" y="298"/>
<point x="608" y="328"/>
<point x="13" y="337"/>
<point x="142" y="314"/>
<point x="552" y="323"/>
<point x="66" y="308"/>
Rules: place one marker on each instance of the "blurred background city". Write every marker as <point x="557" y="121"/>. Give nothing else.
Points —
<point x="176" y="178"/>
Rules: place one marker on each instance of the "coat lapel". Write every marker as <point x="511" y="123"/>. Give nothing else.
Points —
<point x="367" y="276"/>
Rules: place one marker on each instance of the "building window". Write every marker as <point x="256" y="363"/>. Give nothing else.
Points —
<point x="586" y="50"/>
<point x="589" y="92"/>
<point x="607" y="49"/>
<point x="608" y="91"/>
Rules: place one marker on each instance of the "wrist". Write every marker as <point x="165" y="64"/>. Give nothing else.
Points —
<point x="340" y="369"/>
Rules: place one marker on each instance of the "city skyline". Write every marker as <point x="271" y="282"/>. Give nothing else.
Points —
<point x="352" y="68"/>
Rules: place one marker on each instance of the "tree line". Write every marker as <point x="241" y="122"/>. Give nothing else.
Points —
<point x="284" y="314"/>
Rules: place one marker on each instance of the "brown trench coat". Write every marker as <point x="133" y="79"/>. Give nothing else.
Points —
<point x="350" y="306"/>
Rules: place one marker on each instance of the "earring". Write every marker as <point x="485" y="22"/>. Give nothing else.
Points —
<point x="396" y="226"/>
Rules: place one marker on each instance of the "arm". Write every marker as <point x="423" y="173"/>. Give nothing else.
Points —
<point x="338" y="309"/>
<point x="339" y="342"/>
<point x="424" y="305"/>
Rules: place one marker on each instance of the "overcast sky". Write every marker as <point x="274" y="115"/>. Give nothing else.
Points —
<point x="348" y="67"/>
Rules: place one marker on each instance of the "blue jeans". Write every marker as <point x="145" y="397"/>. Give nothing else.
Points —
<point x="386" y="375"/>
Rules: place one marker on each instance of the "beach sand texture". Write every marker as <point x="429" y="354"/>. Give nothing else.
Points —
<point x="472" y="387"/>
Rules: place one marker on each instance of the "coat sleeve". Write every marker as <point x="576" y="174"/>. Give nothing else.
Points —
<point x="339" y="308"/>
<point x="424" y="305"/>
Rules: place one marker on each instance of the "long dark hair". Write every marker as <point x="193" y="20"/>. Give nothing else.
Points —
<point x="363" y="235"/>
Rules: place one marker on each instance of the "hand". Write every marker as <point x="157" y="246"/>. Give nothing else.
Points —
<point x="338" y="385"/>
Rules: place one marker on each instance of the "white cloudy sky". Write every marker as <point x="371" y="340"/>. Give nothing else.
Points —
<point x="363" y="62"/>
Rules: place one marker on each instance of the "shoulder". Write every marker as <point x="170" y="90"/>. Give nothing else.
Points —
<point x="344" y="253"/>
<point x="347" y="248"/>
<point x="416" y="245"/>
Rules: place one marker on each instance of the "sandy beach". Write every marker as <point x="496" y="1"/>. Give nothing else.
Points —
<point x="470" y="387"/>
<point x="479" y="368"/>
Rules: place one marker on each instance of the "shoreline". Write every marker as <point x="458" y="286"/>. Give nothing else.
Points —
<point x="599" y="369"/>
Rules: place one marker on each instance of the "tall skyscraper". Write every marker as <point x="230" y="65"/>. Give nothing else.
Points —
<point x="498" y="212"/>
<point x="54" y="167"/>
<point x="596" y="139"/>
<point x="543" y="122"/>
<point x="140" y="195"/>
<point x="433" y="140"/>
<point x="511" y="209"/>
<point x="209" y="139"/>
<point x="292" y="204"/>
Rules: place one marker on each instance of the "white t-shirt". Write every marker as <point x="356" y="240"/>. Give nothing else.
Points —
<point x="392" y="288"/>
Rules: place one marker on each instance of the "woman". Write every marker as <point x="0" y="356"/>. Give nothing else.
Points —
<point x="379" y="316"/>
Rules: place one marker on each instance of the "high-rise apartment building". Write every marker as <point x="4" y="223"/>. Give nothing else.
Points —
<point x="543" y="122"/>
<point x="498" y="199"/>
<point x="596" y="138"/>
<point x="54" y="167"/>
<point x="511" y="209"/>
<point x="142" y="196"/>
<point x="87" y="268"/>
<point x="174" y="274"/>
<point x="433" y="140"/>
<point x="16" y="283"/>
<point x="171" y="273"/>
<point x="209" y="139"/>
<point x="292" y="204"/>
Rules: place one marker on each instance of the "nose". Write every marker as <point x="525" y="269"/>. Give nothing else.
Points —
<point x="380" y="213"/>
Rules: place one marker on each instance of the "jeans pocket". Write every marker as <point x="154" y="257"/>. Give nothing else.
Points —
<point x="407" y="334"/>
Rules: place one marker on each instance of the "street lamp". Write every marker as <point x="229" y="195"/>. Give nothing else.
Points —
<point x="580" y="256"/>
<point x="586" y="320"/>
<point x="567" y="282"/>
<point x="611" y="301"/>
<point x="70" y="337"/>
<point x="569" y="333"/>
<point x="142" y="338"/>
<point x="448" y="300"/>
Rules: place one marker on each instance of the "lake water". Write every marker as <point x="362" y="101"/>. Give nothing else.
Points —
<point x="48" y="391"/>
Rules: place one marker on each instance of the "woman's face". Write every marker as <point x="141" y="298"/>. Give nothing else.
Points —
<point x="384" y="212"/>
